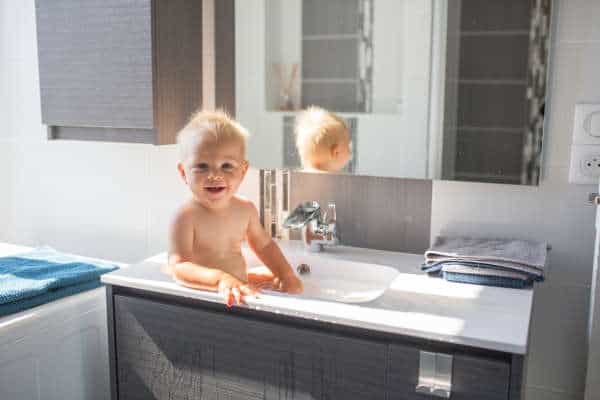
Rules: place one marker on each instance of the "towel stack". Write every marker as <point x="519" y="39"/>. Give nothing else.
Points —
<point x="44" y="275"/>
<point x="494" y="262"/>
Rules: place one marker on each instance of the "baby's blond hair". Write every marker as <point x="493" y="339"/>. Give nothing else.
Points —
<point x="217" y="123"/>
<point x="317" y="130"/>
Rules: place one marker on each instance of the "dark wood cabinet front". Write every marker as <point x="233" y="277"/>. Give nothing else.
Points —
<point x="168" y="351"/>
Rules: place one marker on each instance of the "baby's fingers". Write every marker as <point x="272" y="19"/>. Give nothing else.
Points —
<point x="249" y="290"/>
<point x="228" y="296"/>
<point x="237" y="295"/>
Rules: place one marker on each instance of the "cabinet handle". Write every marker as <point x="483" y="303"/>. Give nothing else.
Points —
<point x="435" y="374"/>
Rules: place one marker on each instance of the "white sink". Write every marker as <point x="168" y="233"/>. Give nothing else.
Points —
<point x="334" y="279"/>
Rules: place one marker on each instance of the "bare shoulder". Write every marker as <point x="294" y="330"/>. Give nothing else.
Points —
<point x="244" y="205"/>
<point x="184" y="215"/>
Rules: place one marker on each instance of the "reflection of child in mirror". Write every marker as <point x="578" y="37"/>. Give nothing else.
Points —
<point x="208" y="230"/>
<point x="322" y="140"/>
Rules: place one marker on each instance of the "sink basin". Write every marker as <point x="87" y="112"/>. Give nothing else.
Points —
<point x="335" y="279"/>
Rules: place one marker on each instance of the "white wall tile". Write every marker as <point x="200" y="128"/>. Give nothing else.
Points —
<point x="558" y="346"/>
<point x="7" y="172"/>
<point x="168" y="193"/>
<point x="578" y="20"/>
<point x="533" y="393"/>
<point x="88" y="198"/>
<point x="574" y="79"/>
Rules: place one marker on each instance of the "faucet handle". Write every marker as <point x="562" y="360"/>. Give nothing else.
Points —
<point x="331" y="221"/>
<point x="330" y="214"/>
<point x="302" y="215"/>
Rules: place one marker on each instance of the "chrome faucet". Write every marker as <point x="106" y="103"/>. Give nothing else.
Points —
<point x="318" y="229"/>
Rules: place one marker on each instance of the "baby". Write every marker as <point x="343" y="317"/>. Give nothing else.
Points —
<point x="322" y="140"/>
<point x="208" y="231"/>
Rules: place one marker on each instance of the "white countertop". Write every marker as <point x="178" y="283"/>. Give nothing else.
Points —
<point x="414" y="305"/>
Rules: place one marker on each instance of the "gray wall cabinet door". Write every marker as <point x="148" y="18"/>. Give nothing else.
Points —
<point x="95" y="63"/>
<point x="166" y="351"/>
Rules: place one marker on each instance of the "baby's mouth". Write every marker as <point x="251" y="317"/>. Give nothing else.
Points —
<point x="214" y="189"/>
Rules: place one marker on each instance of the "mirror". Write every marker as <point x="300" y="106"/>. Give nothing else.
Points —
<point x="434" y="89"/>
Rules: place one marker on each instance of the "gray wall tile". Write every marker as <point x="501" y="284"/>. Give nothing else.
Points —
<point x="510" y="110"/>
<point x="332" y="17"/>
<point x="380" y="213"/>
<point x="490" y="15"/>
<point x="494" y="57"/>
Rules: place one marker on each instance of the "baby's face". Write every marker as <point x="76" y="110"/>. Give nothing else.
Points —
<point x="214" y="170"/>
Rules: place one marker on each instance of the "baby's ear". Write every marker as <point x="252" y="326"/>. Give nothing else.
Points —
<point x="335" y="150"/>
<point x="181" y="170"/>
<point x="245" y="166"/>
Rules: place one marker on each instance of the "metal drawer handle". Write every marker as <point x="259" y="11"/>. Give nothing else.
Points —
<point x="435" y="374"/>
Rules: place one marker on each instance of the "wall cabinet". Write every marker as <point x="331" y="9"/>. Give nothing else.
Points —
<point x="165" y="350"/>
<point x="128" y="70"/>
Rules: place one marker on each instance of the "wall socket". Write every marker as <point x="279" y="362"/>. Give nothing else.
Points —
<point x="585" y="164"/>
<point x="585" y="148"/>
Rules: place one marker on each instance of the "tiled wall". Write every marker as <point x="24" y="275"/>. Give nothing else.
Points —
<point x="556" y="211"/>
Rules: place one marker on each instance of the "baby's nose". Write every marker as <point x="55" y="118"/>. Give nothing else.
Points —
<point x="215" y="176"/>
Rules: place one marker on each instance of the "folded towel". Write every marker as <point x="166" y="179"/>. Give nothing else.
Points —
<point x="480" y="268"/>
<point x="518" y="253"/>
<point x="47" y="297"/>
<point x="498" y="281"/>
<point x="497" y="262"/>
<point x="44" y="272"/>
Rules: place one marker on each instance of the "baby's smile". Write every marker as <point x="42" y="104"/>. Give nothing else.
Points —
<point x="215" y="189"/>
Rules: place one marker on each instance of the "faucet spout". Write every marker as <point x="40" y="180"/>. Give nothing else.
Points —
<point x="318" y="229"/>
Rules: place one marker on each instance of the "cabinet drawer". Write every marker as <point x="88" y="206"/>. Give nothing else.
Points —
<point x="164" y="351"/>
<point x="473" y="377"/>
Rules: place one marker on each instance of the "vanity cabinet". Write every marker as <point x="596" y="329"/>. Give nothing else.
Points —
<point x="130" y="70"/>
<point x="165" y="347"/>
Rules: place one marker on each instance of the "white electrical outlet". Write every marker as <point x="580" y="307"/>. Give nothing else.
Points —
<point x="586" y="126"/>
<point x="585" y="164"/>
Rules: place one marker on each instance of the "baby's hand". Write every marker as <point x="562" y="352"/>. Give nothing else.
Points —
<point x="234" y="290"/>
<point x="291" y="283"/>
<point x="260" y="275"/>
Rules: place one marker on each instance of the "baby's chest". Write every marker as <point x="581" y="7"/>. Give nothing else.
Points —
<point x="221" y="229"/>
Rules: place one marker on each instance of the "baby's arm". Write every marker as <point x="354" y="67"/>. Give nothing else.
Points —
<point x="270" y="254"/>
<point x="189" y="274"/>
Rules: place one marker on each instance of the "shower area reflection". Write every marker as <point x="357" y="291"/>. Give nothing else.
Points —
<point x="496" y="69"/>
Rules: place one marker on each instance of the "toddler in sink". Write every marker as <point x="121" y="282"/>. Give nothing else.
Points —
<point x="207" y="231"/>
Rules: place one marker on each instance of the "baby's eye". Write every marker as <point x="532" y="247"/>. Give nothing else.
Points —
<point x="201" y="167"/>
<point x="228" y="167"/>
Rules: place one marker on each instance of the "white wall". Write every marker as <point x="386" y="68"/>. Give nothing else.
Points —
<point x="99" y="199"/>
<point x="556" y="211"/>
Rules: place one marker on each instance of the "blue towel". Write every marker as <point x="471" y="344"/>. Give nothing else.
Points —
<point x="438" y="268"/>
<point x="487" y="280"/>
<point x="480" y="277"/>
<point x="44" y="275"/>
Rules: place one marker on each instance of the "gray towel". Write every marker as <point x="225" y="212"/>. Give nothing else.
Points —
<point x="520" y="255"/>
